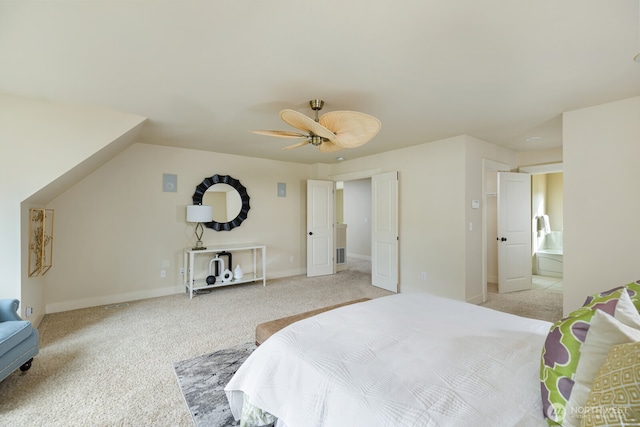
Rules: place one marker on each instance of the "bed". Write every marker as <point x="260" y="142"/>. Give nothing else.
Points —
<point x="403" y="360"/>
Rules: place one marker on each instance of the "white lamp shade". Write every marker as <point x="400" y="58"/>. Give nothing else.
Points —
<point x="199" y="213"/>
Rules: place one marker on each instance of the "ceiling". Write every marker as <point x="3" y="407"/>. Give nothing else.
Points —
<point x="206" y="72"/>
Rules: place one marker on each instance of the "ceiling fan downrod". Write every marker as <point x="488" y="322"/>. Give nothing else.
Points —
<point x="316" y="105"/>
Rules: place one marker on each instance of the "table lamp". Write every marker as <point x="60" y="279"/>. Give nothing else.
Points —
<point x="199" y="214"/>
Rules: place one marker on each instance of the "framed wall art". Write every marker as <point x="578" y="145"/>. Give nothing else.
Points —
<point x="40" y="241"/>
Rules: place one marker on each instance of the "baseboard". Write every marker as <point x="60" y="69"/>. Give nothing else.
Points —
<point x="112" y="299"/>
<point x="357" y="256"/>
<point x="478" y="299"/>
<point x="134" y="296"/>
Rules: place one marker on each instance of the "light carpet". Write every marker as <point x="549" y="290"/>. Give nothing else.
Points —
<point x="114" y="366"/>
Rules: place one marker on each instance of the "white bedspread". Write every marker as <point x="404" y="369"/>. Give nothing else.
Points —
<point x="403" y="360"/>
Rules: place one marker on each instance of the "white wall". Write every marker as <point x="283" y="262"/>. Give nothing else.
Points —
<point x="109" y="248"/>
<point x="475" y="151"/>
<point x="43" y="144"/>
<point x="116" y="227"/>
<point x="601" y="199"/>
<point x="437" y="182"/>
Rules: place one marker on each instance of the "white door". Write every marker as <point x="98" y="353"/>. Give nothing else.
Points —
<point x="514" y="231"/>
<point x="384" y="233"/>
<point x="320" y="228"/>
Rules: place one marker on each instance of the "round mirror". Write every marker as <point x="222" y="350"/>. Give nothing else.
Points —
<point x="225" y="200"/>
<point x="229" y="199"/>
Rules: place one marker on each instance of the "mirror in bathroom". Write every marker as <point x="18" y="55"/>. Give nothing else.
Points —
<point x="229" y="199"/>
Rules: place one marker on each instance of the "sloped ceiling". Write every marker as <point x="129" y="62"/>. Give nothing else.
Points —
<point x="207" y="72"/>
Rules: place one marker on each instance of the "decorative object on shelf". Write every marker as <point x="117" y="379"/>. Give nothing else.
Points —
<point x="229" y="261"/>
<point x="40" y="241"/>
<point x="237" y="272"/>
<point x="219" y="266"/>
<point x="236" y="210"/>
<point x="227" y="275"/>
<point x="200" y="214"/>
<point x="211" y="280"/>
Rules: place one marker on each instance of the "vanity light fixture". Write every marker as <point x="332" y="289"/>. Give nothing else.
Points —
<point x="199" y="214"/>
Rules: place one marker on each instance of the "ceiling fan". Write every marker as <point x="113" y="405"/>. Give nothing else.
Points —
<point x="333" y="131"/>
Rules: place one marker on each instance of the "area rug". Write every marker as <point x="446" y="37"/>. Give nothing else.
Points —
<point x="202" y="381"/>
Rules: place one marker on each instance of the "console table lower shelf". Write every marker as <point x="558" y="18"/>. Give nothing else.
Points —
<point x="194" y="285"/>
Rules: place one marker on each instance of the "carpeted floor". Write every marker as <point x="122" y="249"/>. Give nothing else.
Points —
<point x="107" y="366"/>
<point x="541" y="302"/>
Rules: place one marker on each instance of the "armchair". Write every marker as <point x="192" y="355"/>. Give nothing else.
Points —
<point x="18" y="339"/>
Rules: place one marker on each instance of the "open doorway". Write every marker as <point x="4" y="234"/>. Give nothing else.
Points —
<point x="353" y="216"/>
<point x="547" y="194"/>
<point x="547" y="191"/>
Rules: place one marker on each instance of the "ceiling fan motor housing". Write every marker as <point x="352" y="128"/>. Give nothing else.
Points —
<point x="316" y="104"/>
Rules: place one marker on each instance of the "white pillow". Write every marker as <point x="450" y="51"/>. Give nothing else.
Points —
<point x="605" y="332"/>
<point x="626" y="312"/>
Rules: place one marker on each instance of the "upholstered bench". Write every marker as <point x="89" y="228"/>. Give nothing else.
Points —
<point x="265" y="330"/>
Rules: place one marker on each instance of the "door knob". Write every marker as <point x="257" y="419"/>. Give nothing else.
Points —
<point x="504" y="239"/>
<point x="311" y="233"/>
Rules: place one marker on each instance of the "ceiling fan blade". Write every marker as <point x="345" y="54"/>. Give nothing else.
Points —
<point x="329" y="147"/>
<point x="307" y="124"/>
<point x="279" y="133"/>
<point x="352" y="128"/>
<point x="299" y="144"/>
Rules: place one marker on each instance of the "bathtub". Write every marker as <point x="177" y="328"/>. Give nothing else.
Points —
<point x="548" y="262"/>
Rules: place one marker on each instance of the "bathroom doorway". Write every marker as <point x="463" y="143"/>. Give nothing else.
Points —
<point x="547" y="208"/>
<point x="547" y="228"/>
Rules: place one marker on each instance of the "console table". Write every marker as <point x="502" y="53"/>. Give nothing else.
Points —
<point x="193" y="284"/>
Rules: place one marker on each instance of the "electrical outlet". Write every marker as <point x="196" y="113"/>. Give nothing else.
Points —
<point x="163" y="274"/>
<point x="291" y="258"/>
<point x="182" y="271"/>
<point x="28" y="311"/>
<point x="423" y="275"/>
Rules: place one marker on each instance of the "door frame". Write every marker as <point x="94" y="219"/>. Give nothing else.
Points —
<point x="352" y="176"/>
<point x="494" y="166"/>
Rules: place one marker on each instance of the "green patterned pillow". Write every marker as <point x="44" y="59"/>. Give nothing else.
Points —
<point x="633" y="289"/>
<point x="561" y="351"/>
<point x="614" y="399"/>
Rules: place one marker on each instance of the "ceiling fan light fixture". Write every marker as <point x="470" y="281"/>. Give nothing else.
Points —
<point x="332" y="131"/>
<point x="316" y="140"/>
